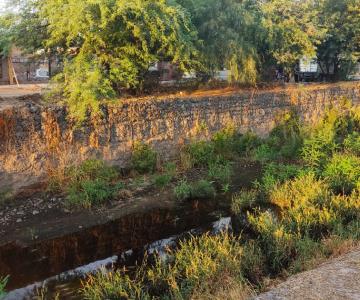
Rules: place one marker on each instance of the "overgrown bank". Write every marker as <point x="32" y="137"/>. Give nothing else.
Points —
<point x="304" y="208"/>
<point x="40" y="137"/>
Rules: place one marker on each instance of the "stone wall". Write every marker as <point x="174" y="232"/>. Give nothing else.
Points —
<point x="36" y="138"/>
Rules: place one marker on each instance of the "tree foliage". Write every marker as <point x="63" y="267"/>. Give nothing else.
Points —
<point x="340" y="46"/>
<point x="230" y="34"/>
<point x="110" y="45"/>
<point x="292" y="30"/>
<point x="107" y="46"/>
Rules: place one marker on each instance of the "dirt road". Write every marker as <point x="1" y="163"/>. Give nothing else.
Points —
<point x="21" y="90"/>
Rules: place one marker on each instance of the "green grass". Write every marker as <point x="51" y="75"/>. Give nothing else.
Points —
<point x="3" y="283"/>
<point x="144" y="158"/>
<point x="90" y="183"/>
<point x="343" y="172"/>
<point x="201" y="189"/>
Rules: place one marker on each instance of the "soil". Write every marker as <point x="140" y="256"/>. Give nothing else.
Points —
<point x="35" y="215"/>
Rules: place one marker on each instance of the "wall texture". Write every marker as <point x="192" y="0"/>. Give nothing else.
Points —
<point x="37" y="138"/>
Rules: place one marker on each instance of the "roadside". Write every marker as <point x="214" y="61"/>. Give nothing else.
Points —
<point x="21" y="89"/>
<point x="333" y="280"/>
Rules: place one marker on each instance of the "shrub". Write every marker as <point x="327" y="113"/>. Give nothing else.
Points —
<point x="3" y="282"/>
<point x="243" y="201"/>
<point x="221" y="173"/>
<point x="320" y="142"/>
<point x="276" y="242"/>
<point x="143" y="158"/>
<point x="247" y="143"/>
<point x="90" y="192"/>
<point x="90" y="183"/>
<point x="265" y="153"/>
<point x="343" y="172"/>
<point x="183" y="190"/>
<point x="283" y="143"/>
<point x="277" y="174"/>
<point x="224" y="142"/>
<point x="352" y="143"/>
<point x="90" y="169"/>
<point x="253" y="262"/>
<point x="307" y="254"/>
<point x="202" y="189"/>
<point x="162" y="180"/>
<point x="197" y="154"/>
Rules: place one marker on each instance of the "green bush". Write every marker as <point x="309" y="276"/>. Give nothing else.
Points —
<point x="162" y="180"/>
<point x="265" y="153"/>
<point x="246" y="144"/>
<point x="197" y="154"/>
<point x="276" y="242"/>
<point x="114" y="285"/>
<point x="198" y="190"/>
<point x="337" y="130"/>
<point x="183" y="190"/>
<point x="287" y="138"/>
<point x="224" y="142"/>
<point x="243" y="201"/>
<point x="221" y="172"/>
<point x="91" y="169"/>
<point x="276" y="174"/>
<point x="284" y="141"/>
<point x="307" y="252"/>
<point x="343" y="172"/>
<point x="90" y="183"/>
<point x="202" y="189"/>
<point x="90" y="192"/>
<point x="352" y="143"/>
<point x="143" y="158"/>
<point x="3" y="283"/>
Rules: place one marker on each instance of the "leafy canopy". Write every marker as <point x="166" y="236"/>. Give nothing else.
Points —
<point x="109" y="45"/>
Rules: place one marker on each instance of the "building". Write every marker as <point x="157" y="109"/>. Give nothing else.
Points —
<point x="20" y="68"/>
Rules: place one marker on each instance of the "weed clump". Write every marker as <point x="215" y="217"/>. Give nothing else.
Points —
<point x="200" y="266"/>
<point x="90" y="183"/>
<point x="183" y="190"/>
<point x="143" y="158"/>
<point x="3" y="283"/>
<point x="201" y="189"/>
<point x="343" y="172"/>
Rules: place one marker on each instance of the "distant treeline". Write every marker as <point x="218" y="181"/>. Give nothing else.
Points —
<point x="107" y="46"/>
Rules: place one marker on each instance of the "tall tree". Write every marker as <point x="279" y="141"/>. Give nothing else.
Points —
<point x="292" y="31"/>
<point x="340" y="48"/>
<point x="230" y="33"/>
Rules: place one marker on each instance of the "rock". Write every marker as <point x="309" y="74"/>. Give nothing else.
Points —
<point x="19" y="220"/>
<point x="35" y="212"/>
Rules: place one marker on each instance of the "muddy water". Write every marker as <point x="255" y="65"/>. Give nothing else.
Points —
<point x="28" y="264"/>
<point x="118" y="242"/>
